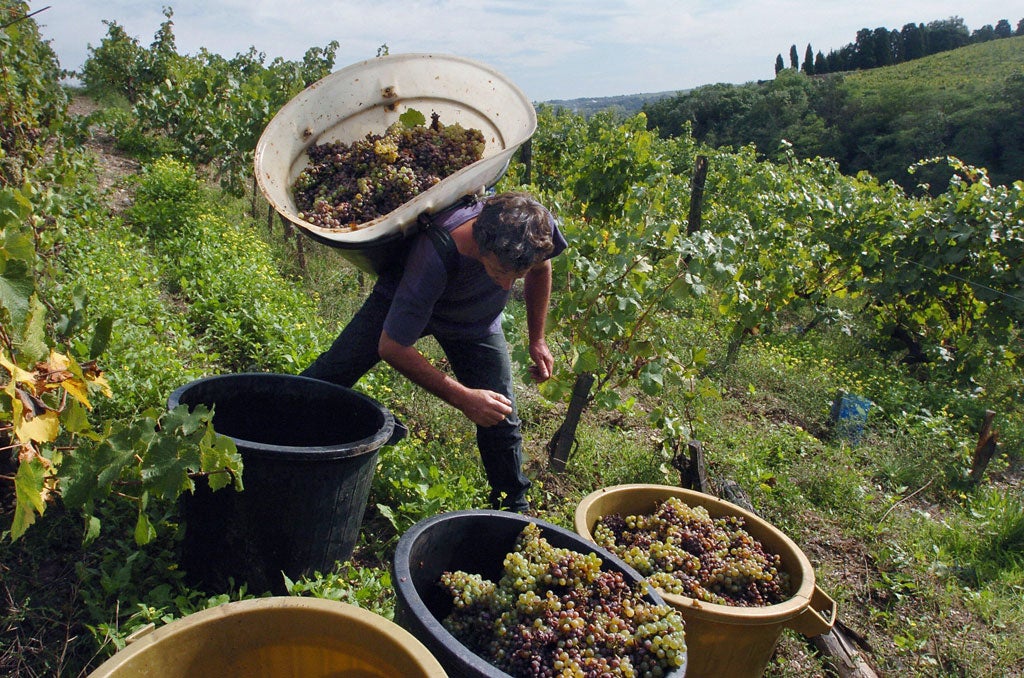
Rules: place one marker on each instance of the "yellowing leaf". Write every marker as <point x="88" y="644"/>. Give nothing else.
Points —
<point x="59" y="361"/>
<point x="42" y="428"/>
<point x="77" y="390"/>
<point x="17" y="374"/>
<point x="101" y="381"/>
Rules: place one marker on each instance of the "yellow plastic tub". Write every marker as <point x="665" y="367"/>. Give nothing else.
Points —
<point x="723" y="640"/>
<point x="279" y="637"/>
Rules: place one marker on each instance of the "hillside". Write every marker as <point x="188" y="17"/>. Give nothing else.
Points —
<point x="967" y="102"/>
<point x="967" y="73"/>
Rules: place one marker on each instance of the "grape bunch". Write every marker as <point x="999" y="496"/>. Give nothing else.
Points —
<point x="345" y="185"/>
<point x="555" y="612"/>
<point x="681" y="550"/>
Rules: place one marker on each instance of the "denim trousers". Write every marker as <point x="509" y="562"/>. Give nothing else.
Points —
<point x="477" y="363"/>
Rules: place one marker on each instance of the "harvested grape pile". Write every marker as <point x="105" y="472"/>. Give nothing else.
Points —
<point x="682" y="550"/>
<point x="345" y="185"/>
<point x="556" y="612"/>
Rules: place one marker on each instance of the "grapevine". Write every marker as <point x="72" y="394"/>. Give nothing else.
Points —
<point x="345" y="185"/>
<point x="555" y="612"/>
<point x="683" y="551"/>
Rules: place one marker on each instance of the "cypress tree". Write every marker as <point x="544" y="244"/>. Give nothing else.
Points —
<point x="820" y="66"/>
<point x="780" y="65"/>
<point x="808" y="66"/>
<point x="794" y="58"/>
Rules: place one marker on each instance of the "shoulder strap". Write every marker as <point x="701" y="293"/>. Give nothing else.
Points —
<point x="442" y="239"/>
<point x="443" y="243"/>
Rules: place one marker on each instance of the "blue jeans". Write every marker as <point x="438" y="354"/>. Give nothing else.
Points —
<point x="477" y="363"/>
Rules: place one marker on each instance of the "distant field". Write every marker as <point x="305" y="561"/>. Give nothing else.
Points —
<point x="628" y="103"/>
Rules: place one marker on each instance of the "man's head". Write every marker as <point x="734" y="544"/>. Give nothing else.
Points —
<point x="516" y="229"/>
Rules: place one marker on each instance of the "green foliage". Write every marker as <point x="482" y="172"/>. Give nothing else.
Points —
<point x="112" y="273"/>
<point x="951" y="276"/>
<point x="237" y="301"/>
<point x="127" y="587"/>
<point x="367" y="587"/>
<point x="159" y="453"/>
<point x="412" y="483"/>
<point x="627" y="274"/>
<point x="49" y="353"/>
<point x="121" y="67"/>
<point x="206" y="109"/>
<point x="34" y="103"/>
<point x="168" y="198"/>
<point x="791" y="110"/>
<point x="46" y="399"/>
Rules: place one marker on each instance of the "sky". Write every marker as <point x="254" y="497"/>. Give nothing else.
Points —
<point x="551" y="49"/>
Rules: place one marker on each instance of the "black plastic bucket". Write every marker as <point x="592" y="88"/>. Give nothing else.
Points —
<point x="308" y="449"/>
<point x="474" y="541"/>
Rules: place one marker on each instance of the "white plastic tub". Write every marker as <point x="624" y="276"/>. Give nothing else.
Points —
<point x="371" y="95"/>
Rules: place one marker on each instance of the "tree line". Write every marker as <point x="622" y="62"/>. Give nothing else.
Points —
<point x="886" y="47"/>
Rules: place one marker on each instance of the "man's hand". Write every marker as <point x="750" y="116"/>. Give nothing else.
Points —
<point x="543" y="361"/>
<point x="484" y="408"/>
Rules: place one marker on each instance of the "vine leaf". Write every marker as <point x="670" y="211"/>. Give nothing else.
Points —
<point x="28" y="489"/>
<point x="144" y="532"/>
<point x="32" y="420"/>
<point x="412" y="118"/>
<point x="16" y="287"/>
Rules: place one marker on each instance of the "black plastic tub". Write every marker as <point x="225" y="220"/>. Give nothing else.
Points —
<point x="308" y="449"/>
<point x="474" y="541"/>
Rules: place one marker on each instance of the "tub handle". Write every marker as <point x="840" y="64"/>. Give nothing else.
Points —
<point x="139" y="633"/>
<point x="819" y="616"/>
<point x="399" y="432"/>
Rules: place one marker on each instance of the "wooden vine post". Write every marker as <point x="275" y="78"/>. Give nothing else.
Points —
<point x="700" y="176"/>
<point x="692" y="469"/>
<point x="988" y="445"/>
<point x="526" y="155"/>
<point x="562" y="441"/>
<point x="255" y="194"/>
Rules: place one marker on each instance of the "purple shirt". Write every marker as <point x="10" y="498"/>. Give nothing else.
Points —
<point x="424" y="301"/>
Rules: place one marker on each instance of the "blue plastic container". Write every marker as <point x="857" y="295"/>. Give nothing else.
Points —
<point x="850" y="416"/>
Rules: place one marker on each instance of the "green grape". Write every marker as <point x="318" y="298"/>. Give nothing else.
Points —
<point x="683" y="551"/>
<point x="556" y="612"/>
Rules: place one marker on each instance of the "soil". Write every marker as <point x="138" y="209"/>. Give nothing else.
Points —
<point x="112" y="167"/>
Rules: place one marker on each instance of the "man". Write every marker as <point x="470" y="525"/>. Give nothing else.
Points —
<point x="499" y="240"/>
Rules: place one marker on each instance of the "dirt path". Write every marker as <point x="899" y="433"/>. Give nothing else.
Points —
<point x="112" y="167"/>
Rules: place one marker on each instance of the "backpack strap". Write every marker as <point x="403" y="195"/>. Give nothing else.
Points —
<point x="443" y="243"/>
<point x="442" y="239"/>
